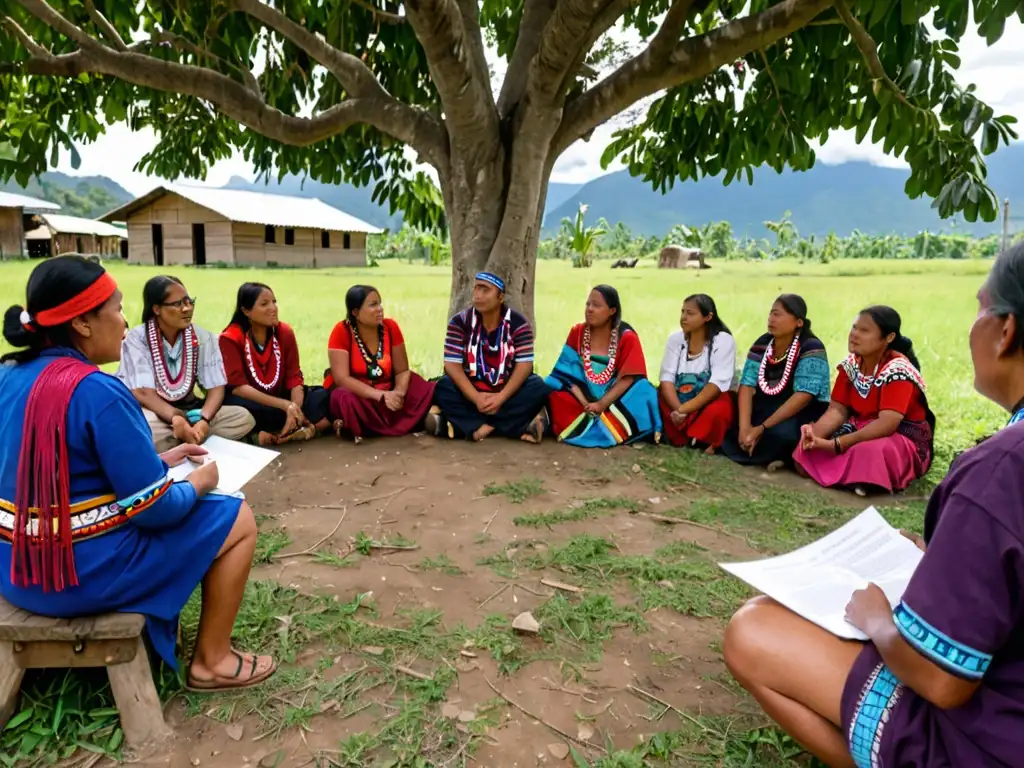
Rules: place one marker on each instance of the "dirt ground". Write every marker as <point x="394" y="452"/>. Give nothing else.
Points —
<point x="432" y="493"/>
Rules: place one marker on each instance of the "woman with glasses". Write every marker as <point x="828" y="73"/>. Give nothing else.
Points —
<point x="164" y="359"/>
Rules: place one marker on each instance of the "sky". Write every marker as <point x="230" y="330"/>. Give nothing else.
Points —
<point x="995" y="70"/>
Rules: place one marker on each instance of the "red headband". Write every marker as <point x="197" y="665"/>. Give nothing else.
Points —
<point x="92" y="297"/>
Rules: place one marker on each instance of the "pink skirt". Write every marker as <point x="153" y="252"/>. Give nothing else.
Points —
<point x="892" y="463"/>
<point x="364" y="418"/>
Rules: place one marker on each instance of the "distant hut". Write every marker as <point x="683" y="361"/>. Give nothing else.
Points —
<point x="58" y="234"/>
<point x="17" y="213"/>
<point x="677" y="257"/>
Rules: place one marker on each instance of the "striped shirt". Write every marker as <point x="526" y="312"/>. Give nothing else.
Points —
<point x="514" y="346"/>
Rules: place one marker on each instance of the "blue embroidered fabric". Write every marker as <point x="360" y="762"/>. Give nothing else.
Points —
<point x="880" y="695"/>
<point x="957" y="658"/>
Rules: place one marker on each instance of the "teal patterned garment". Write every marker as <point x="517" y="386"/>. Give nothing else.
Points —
<point x="811" y="374"/>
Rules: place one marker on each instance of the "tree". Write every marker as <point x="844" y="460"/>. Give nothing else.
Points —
<point x="336" y="88"/>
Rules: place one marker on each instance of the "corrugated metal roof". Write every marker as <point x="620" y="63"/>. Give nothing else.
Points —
<point x="255" y="208"/>
<point x="30" y="204"/>
<point x="74" y="225"/>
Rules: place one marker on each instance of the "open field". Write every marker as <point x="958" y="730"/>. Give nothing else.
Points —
<point x="389" y="573"/>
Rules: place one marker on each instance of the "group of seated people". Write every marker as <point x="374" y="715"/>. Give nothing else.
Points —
<point x="91" y="521"/>
<point x="871" y="430"/>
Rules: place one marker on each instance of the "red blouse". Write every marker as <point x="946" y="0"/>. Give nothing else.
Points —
<point x="903" y="396"/>
<point x="342" y="340"/>
<point x="275" y="370"/>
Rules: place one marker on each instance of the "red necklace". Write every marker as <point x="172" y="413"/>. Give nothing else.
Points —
<point x="275" y="348"/>
<point x="762" y="382"/>
<point x="606" y="375"/>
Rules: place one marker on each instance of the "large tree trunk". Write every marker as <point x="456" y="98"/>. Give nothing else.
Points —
<point x="495" y="217"/>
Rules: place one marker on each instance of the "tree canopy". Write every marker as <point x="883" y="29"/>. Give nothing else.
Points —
<point x="338" y="88"/>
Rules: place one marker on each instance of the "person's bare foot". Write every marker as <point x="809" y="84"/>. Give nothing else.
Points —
<point x="234" y="670"/>
<point x="266" y="438"/>
<point x="710" y="450"/>
<point x="535" y="432"/>
<point x="776" y="465"/>
<point x="482" y="433"/>
<point x="338" y="426"/>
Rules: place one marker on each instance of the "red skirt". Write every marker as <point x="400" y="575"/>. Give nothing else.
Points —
<point x="707" y="426"/>
<point x="364" y="417"/>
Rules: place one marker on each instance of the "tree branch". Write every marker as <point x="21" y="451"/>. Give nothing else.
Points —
<point x="411" y="125"/>
<point x="464" y="87"/>
<point x="181" y="43"/>
<point x="382" y="16"/>
<point x="691" y="59"/>
<point x="536" y="14"/>
<point x="556" y="57"/>
<point x="869" y="50"/>
<point x="105" y="26"/>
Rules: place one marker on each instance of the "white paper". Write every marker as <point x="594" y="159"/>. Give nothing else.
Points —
<point x="237" y="463"/>
<point x="818" y="580"/>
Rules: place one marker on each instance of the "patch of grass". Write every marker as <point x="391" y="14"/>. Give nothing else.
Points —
<point x="268" y="544"/>
<point x="440" y="563"/>
<point x="516" y="492"/>
<point x="584" y="509"/>
<point x="365" y="544"/>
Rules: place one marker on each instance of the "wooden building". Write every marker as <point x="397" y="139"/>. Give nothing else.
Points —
<point x="16" y="216"/>
<point x="176" y="224"/>
<point x="57" y="234"/>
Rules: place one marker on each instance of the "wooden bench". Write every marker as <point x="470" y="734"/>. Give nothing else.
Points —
<point x="112" y="640"/>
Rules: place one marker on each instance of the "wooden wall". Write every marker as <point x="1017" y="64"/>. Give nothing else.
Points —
<point x="233" y="242"/>
<point x="11" y="233"/>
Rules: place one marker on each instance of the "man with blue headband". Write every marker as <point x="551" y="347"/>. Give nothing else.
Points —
<point x="489" y="386"/>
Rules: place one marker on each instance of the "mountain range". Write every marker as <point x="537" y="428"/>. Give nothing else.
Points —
<point x="827" y="198"/>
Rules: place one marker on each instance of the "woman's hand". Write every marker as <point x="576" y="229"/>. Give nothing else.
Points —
<point x="918" y="541"/>
<point x="394" y="401"/>
<point x="205" y="478"/>
<point x="201" y="430"/>
<point x="183" y="431"/>
<point x="753" y="438"/>
<point x="580" y="397"/>
<point x="596" y="409"/>
<point x="807" y="437"/>
<point x="869" y="610"/>
<point x="679" y="416"/>
<point x="179" y="453"/>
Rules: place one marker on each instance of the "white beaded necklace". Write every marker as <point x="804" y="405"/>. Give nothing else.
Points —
<point x="174" y="389"/>
<point x="276" y="351"/>
<point x="762" y="381"/>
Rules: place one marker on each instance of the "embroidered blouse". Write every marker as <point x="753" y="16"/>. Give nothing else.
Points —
<point x="275" y="364"/>
<point x="898" y="386"/>
<point x="810" y="376"/>
<point x="677" y="367"/>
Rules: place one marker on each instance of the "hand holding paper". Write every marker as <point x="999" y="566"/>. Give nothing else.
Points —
<point x="235" y="464"/>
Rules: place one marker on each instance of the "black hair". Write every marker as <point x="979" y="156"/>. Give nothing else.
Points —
<point x="53" y="282"/>
<point x="707" y="306"/>
<point x="889" y="321"/>
<point x="797" y="307"/>
<point x="1005" y="288"/>
<point x="248" y="293"/>
<point x="154" y="292"/>
<point x="355" y="298"/>
<point x="611" y="298"/>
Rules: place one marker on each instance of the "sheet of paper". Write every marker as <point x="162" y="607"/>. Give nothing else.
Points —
<point x="817" y="581"/>
<point x="238" y="463"/>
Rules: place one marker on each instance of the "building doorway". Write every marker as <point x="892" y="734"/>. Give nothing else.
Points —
<point x="199" y="244"/>
<point x="158" y="245"/>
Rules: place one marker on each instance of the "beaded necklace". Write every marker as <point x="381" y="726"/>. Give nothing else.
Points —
<point x="478" y="367"/>
<point x="1018" y="413"/>
<point x="275" y="348"/>
<point x="174" y="389"/>
<point x="791" y="356"/>
<point x="606" y="375"/>
<point x="374" y="370"/>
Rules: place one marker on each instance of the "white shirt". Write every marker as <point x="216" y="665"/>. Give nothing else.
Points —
<point x="722" y="363"/>
<point x="136" y="369"/>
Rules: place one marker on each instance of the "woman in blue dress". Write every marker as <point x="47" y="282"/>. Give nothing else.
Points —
<point x="602" y="397"/>
<point x="90" y="521"/>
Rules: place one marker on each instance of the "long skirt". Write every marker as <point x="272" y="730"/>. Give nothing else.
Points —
<point x="706" y="427"/>
<point x="778" y="442"/>
<point x="270" y="419"/>
<point x="136" y="569"/>
<point x="511" y="421"/>
<point x="364" y="418"/>
<point x="891" y="463"/>
<point x="634" y="417"/>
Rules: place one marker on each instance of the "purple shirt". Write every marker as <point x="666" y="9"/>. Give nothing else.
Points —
<point x="964" y="611"/>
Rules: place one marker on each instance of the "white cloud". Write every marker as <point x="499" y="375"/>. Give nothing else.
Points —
<point x="995" y="70"/>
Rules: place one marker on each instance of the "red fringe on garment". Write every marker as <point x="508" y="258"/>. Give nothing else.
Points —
<point x="44" y="556"/>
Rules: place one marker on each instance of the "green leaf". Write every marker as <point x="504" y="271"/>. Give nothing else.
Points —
<point x="22" y="717"/>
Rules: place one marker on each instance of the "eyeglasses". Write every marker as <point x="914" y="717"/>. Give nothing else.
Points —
<point x="180" y="303"/>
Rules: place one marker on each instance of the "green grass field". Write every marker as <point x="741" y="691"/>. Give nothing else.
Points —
<point x="935" y="298"/>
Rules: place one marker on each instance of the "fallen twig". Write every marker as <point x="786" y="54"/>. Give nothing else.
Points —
<point x="694" y="523"/>
<point x="381" y="546"/>
<point x="412" y="673"/>
<point x="372" y="499"/>
<point x="486" y="527"/>
<point x="501" y="589"/>
<point x="650" y="696"/>
<point x="556" y="729"/>
<point x="399" y="565"/>
<point x="311" y="550"/>
<point x="532" y="591"/>
<point x="560" y="585"/>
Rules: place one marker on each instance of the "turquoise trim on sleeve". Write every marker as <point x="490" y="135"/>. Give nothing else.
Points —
<point x="955" y="657"/>
<point x="812" y="376"/>
<point x="749" y="376"/>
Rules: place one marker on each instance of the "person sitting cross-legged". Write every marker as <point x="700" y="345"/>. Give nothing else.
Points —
<point x="489" y="386"/>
